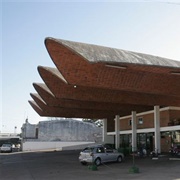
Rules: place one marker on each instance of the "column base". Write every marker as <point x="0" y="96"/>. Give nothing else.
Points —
<point x="133" y="169"/>
<point x="93" y="167"/>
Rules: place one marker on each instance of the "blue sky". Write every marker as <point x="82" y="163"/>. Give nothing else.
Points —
<point x="150" y="27"/>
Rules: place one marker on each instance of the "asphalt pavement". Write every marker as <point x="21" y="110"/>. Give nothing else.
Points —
<point x="64" y="165"/>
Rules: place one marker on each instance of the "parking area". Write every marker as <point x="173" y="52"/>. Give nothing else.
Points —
<point x="64" y="165"/>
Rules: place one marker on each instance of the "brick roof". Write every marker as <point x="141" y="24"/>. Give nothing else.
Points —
<point x="95" y="53"/>
<point x="92" y="81"/>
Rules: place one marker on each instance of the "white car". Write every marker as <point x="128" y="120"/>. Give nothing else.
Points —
<point x="6" y="148"/>
<point x="99" y="154"/>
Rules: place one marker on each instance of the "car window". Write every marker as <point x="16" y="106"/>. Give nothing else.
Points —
<point x="108" y="149"/>
<point x="100" y="150"/>
<point x="88" y="149"/>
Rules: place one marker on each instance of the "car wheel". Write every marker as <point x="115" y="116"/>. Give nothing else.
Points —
<point x="97" y="161"/>
<point x="119" y="159"/>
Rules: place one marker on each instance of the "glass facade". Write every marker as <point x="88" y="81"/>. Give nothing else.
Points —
<point x="146" y="140"/>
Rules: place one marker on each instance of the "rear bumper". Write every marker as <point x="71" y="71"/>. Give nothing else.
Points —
<point x="86" y="160"/>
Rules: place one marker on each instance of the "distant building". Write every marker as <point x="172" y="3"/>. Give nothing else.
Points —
<point x="62" y="130"/>
<point x="29" y="131"/>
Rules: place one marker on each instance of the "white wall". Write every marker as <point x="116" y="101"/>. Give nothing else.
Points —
<point x="34" y="145"/>
<point x="110" y="139"/>
<point x="68" y="130"/>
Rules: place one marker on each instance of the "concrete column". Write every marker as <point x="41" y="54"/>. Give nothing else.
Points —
<point x="157" y="135"/>
<point x="104" y="131"/>
<point x="117" y="128"/>
<point x="134" y="132"/>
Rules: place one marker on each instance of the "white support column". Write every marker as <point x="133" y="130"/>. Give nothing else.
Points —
<point x="117" y="128"/>
<point x="134" y="132"/>
<point x="157" y="135"/>
<point x="104" y="131"/>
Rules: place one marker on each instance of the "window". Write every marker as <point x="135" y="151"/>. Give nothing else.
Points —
<point x="130" y="122"/>
<point x="88" y="149"/>
<point x="100" y="150"/>
<point x="140" y="120"/>
<point x="109" y="150"/>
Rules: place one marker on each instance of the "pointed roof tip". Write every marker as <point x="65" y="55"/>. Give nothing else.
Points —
<point x="34" y="104"/>
<point x="43" y="87"/>
<point x="39" y="66"/>
<point x="46" y="39"/>
<point x="34" y="94"/>
<point x="37" y="96"/>
<point x="44" y="67"/>
<point x="30" y="101"/>
<point x="36" y="107"/>
<point x="55" y="40"/>
<point x="50" y="70"/>
<point x="49" y="37"/>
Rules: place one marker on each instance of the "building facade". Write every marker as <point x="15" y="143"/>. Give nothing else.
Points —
<point x="169" y="130"/>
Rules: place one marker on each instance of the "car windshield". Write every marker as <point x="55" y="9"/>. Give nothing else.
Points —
<point x="88" y="149"/>
<point x="6" y="145"/>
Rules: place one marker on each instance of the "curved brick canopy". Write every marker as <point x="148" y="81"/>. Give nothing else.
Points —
<point x="138" y="76"/>
<point x="62" y="90"/>
<point x="51" y="101"/>
<point x="96" y="81"/>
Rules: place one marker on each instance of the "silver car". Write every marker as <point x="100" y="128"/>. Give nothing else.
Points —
<point x="6" y="148"/>
<point x="99" y="154"/>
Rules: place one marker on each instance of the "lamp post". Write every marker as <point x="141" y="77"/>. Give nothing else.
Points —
<point x="15" y="128"/>
<point x="133" y="169"/>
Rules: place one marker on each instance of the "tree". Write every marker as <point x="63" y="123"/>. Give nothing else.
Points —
<point x="98" y="122"/>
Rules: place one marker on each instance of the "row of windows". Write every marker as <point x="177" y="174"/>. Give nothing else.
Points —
<point x="140" y="121"/>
